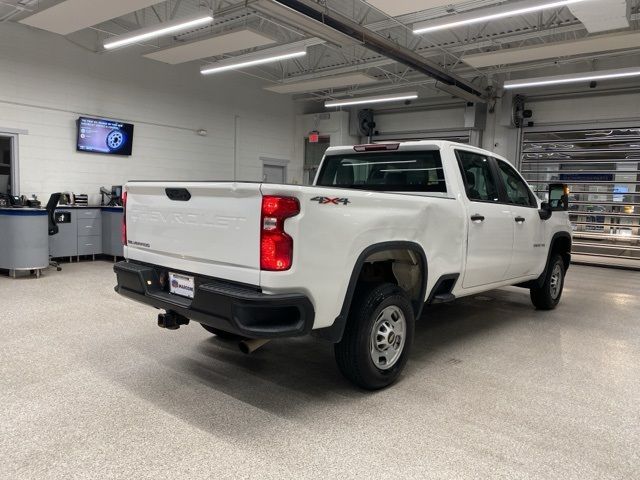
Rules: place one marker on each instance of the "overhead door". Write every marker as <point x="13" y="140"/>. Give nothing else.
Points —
<point x="601" y="167"/>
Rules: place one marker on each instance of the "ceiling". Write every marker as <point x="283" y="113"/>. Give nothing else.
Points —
<point x="482" y="54"/>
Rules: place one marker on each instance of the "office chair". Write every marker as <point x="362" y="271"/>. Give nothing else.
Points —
<point x="53" y="226"/>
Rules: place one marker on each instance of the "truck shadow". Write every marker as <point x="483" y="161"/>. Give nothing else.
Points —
<point x="297" y="378"/>
<point x="306" y="366"/>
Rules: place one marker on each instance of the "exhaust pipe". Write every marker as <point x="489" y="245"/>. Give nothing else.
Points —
<point x="250" y="345"/>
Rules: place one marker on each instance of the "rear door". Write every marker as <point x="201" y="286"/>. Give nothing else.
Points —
<point x="209" y="228"/>
<point x="491" y="225"/>
<point x="528" y="241"/>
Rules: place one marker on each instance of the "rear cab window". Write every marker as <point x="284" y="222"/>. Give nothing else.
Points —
<point x="413" y="171"/>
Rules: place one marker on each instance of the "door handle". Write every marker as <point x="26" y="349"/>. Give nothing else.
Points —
<point x="477" y="218"/>
<point x="520" y="219"/>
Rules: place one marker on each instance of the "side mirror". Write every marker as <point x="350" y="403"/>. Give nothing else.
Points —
<point x="545" y="211"/>
<point x="559" y="197"/>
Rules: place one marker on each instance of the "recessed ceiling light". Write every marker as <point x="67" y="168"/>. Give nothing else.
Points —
<point x="252" y="60"/>
<point x="159" y="30"/>
<point x="394" y="97"/>
<point x="573" y="78"/>
<point x="486" y="15"/>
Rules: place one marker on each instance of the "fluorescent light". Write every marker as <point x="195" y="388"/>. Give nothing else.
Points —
<point x="572" y="78"/>
<point x="235" y="64"/>
<point x="395" y="97"/>
<point x="158" y="30"/>
<point x="519" y="8"/>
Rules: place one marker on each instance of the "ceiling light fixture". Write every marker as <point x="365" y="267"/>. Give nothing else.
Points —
<point x="489" y="14"/>
<point x="572" y="78"/>
<point x="394" y="97"/>
<point x="252" y="60"/>
<point x="159" y="30"/>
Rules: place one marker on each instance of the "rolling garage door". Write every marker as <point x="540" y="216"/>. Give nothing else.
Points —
<point x="601" y="167"/>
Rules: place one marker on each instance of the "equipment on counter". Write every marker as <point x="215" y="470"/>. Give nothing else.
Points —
<point x="114" y="196"/>
<point x="82" y="200"/>
<point x="67" y="198"/>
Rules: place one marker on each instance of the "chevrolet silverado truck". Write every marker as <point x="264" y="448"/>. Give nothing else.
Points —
<point x="385" y="229"/>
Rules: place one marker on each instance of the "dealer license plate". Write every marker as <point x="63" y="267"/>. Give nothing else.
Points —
<point x="182" y="285"/>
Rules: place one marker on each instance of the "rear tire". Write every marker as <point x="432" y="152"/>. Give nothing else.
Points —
<point x="548" y="295"/>
<point x="377" y="337"/>
<point x="221" y="333"/>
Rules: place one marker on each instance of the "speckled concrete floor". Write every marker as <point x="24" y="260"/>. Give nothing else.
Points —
<point x="91" y="388"/>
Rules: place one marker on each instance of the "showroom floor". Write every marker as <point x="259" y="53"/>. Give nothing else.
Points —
<point x="91" y="388"/>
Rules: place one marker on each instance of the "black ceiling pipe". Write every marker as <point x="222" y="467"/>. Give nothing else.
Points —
<point x="384" y="46"/>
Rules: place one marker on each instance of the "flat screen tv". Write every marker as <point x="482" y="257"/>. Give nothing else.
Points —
<point x="99" y="135"/>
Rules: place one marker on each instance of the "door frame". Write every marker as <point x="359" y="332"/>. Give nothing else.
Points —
<point x="14" y="180"/>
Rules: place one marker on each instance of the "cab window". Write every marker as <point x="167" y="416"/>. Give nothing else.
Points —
<point x="478" y="177"/>
<point x="517" y="190"/>
<point x="419" y="171"/>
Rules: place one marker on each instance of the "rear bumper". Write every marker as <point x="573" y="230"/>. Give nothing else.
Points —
<point x="238" y="309"/>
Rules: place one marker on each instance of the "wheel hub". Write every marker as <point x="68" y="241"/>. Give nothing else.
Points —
<point x="388" y="337"/>
<point x="556" y="281"/>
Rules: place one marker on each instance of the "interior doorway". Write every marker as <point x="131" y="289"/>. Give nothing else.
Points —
<point x="313" y="153"/>
<point x="7" y="173"/>
<point x="274" y="174"/>
<point x="274" y="170"/>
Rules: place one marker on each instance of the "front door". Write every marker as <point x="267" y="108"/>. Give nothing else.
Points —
<point x="528" y="242"/>
<point x="490" y="223"/>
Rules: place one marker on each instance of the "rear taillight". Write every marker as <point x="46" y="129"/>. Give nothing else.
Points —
<point x="276" y="247"/>
<point x="124" y="218"/>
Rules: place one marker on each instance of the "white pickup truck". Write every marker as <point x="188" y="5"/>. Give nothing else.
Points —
<point x="385" y="229"/>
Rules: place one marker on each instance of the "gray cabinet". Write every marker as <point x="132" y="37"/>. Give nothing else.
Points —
<point x="65" y="242"/>
<point x="90" y="245"/>
<point x="87" y="231"/>
<point x="112" y="231"/>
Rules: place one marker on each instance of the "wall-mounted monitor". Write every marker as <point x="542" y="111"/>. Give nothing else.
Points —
<point x="99" y="135"/>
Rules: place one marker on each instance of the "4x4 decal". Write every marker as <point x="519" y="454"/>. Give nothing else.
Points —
<point x="331" y="200"/>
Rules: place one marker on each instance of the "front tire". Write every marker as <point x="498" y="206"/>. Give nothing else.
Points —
<point x="548" y="295"/>
<point x="377" y="338"/>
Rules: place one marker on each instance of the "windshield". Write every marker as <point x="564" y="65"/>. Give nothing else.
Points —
<point x="385" y="171"/>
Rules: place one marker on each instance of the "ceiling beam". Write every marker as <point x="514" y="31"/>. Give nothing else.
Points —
<point x="591" y="44"/>
<point x="435" y="51"/>
<point x="377" y="43"/>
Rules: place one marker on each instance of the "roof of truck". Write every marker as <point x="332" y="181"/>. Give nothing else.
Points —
<point x="412" y="145"/>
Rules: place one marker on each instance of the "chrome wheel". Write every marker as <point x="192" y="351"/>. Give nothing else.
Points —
<point x="555" y="283"/>
<point x="388" y="337"/>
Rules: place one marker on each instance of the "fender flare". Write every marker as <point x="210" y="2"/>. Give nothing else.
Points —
<point x="538" y="282"/>
<point x="334" y="332"/>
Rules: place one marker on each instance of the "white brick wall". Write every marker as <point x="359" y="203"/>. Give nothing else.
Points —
<point x="46" y="82"/>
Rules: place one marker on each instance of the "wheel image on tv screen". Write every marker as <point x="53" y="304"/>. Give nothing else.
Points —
<point x="115" y="140"/>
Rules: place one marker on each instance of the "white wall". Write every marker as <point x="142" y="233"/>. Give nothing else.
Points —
<point x="597" y="107"/>
<point x="332" y="124"/>
<point x="46" y="82"/>
<point x="420" y="121"/>
<point x="591" y="109"/>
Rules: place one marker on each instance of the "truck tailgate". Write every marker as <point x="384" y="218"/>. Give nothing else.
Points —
<point x="208" y="228"/>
